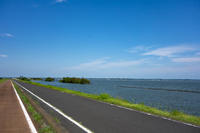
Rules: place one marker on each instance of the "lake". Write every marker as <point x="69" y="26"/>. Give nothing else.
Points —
<point x="182" y="95"/>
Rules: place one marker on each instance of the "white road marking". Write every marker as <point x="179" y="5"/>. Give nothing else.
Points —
<point x="30" y="123"/>
<point x="57" y="110"/>
<point x="188" y="124"/>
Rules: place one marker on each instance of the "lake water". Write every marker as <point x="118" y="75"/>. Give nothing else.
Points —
<point x="163" y="94"/>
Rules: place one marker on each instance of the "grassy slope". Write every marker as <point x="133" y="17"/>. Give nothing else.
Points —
<point x="2" y="80"/>
<point x="176" y="115"/>
<point x="43" y="127"/>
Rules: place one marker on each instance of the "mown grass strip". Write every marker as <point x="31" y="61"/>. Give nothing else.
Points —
<point x="2" y="80"/>
<point x="175" y="115"/>
<point x="37" y="117"/>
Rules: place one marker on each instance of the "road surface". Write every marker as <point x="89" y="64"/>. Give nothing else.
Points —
<point x="104" y="118"/>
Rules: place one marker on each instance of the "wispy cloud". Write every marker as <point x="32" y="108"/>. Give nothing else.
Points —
<point x="60" y="1"/>
<point x="6" y="35"/>
<point x="186" y="60"/>
<point x="104" y="63"/>
<point x="170" y="51"/>
<point x="138" y="49"/>
<point x="198" y="53"/>
<point x="3" y="55"/>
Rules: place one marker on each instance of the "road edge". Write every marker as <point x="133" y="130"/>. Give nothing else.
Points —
<point x="85" y="129"/>
<point x="28" y="119"/>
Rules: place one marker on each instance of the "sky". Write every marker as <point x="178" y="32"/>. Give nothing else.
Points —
<point x="100" y="38"/>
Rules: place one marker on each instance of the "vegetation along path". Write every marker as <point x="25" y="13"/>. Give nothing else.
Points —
<point x="105" y="118"/>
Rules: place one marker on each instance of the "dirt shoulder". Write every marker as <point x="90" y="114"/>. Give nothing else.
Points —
<point x="12" y="118"/>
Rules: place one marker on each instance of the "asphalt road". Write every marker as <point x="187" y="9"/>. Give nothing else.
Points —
<point x="104" y="118"/>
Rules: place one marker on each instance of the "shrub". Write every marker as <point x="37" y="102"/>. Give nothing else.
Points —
<point x="75" y="80"/>
<point x="24" y="78"/>
<point x="36" y="78"/>
<point x="49" y="79"/>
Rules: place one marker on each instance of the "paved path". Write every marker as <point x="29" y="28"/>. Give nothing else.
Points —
<point x="12" y="119"/>
<point x="103" y="118"/>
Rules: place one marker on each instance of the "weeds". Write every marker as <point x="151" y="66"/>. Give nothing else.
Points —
<point x="35" y="115"/>
<point x="104" y="96"/>
<point x="175" y="113"/>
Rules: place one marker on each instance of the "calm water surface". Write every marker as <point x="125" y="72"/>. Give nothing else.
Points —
<point x="139" y="91"/>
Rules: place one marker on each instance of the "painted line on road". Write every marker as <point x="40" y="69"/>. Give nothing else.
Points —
<point x="28" y="119"/>
<point x="149" y="114"/>
<point x="57" y="110"/>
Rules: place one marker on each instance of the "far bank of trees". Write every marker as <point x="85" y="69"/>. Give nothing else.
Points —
<point x="36" y="78"/>
<point x="24" y="78"/>
<point x="75" y="80"/>
<point x="49" y="79"/>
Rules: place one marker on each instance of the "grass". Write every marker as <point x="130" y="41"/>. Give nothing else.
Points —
<point x="56" y="119"/>
<point x="2" y="80"/>
<point x="37" y="117"/>
<point x="75" y="80"/>
<point x="175" y="114"/>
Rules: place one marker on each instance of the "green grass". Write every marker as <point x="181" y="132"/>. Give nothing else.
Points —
<point x="176" y="115"/>
<point x="35" y="115"/>
<point x="56" y="119"/>
<point x="2" y="80"/>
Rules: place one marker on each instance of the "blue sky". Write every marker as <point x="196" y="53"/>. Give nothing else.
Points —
<point x="100" y="38"/>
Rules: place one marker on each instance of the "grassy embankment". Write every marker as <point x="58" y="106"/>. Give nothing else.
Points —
<point x="75" y="80"/>
<point x="37" y="117"/>
<point x="2" y="80"/>
<point x="176" y="115"/>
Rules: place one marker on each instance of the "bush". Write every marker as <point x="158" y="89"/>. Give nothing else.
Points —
<point x="49" y="79"/>
<point x="75" y="80"/>
<point x="36" y="78"/>
<point x="24" y="78"/>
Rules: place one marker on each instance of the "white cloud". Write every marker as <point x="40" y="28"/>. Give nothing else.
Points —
<point x="198" y="53"/>
<point x="3" y="55"/>
<point x="170" y="51"/>
<point x="186" y="60"/>
<point x="138" y="49"/>
<point x="60" y="1"/>
<point x="6" y="35"/>
<point x="105" y="64"/>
